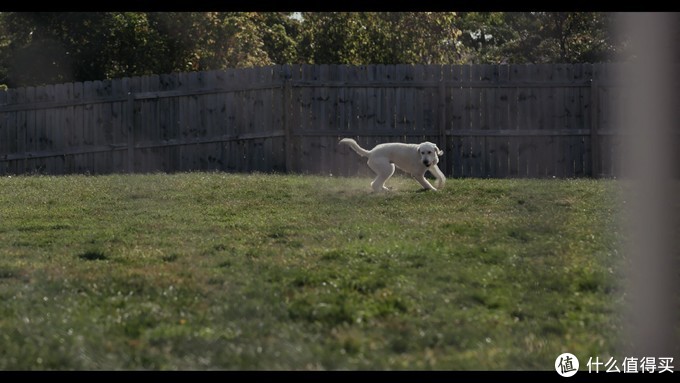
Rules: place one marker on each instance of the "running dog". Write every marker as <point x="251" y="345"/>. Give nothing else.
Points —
<point x="415" y="159"/>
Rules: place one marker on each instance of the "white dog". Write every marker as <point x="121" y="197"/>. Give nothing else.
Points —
<point x="415" y="159"/>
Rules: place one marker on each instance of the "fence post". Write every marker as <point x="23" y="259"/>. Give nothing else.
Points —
<point x="131" y="132"/>
<point x="287" y="93"/>
<point x="443" y="141"/>
<point x="594" y="126"/>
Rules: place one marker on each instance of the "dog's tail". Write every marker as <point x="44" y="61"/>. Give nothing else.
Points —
<point x="353" y="144"/>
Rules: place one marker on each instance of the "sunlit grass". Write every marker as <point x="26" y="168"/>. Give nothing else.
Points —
<point x="222" y="271"/>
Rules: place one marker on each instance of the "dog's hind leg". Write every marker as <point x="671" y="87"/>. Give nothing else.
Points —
<point x="383" y="170"/>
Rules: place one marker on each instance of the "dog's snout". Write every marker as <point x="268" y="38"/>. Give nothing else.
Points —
<point x="426" y="162"/>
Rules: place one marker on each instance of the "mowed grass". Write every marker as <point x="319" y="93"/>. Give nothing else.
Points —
<point x="266" y="272"/>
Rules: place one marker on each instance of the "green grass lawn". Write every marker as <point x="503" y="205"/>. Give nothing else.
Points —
<point x="223" y="271"/>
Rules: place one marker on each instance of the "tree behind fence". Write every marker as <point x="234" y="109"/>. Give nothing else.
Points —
<point x="491" y="120"/>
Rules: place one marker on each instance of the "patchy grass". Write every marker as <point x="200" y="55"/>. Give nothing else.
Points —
<point x="221" y="271"/>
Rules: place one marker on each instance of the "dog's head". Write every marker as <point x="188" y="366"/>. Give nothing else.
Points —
<point x="429" y="153"/>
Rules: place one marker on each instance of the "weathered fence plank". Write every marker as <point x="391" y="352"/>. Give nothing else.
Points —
<point x="20" y="129"/>
<point x="513" y="125"/>
<point x="30" y="128"/>
<point x="4" y="136"/>
<point x="559" y="121"/>
<point x="501" y="120"/>
<point x="476" y="142"/>
<point x="491" y="120"/>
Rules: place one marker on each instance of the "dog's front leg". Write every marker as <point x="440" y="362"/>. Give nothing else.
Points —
<point x="425" y="183"/>
<point x="441" y="179"/>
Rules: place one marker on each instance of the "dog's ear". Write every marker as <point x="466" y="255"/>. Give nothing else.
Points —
<point x="439" y="151"/>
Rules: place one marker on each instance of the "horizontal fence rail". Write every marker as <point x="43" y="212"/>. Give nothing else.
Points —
<point x="491" y="120"/>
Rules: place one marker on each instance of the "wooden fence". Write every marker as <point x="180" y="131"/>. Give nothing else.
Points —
<point x="491" y="120"/>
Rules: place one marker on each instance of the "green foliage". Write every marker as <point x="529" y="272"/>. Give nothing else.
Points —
<point x="539" y="37"/>
<point x="267" y="272"/>
<point x="380" y="37"/>
<point x="40" y="48"/>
